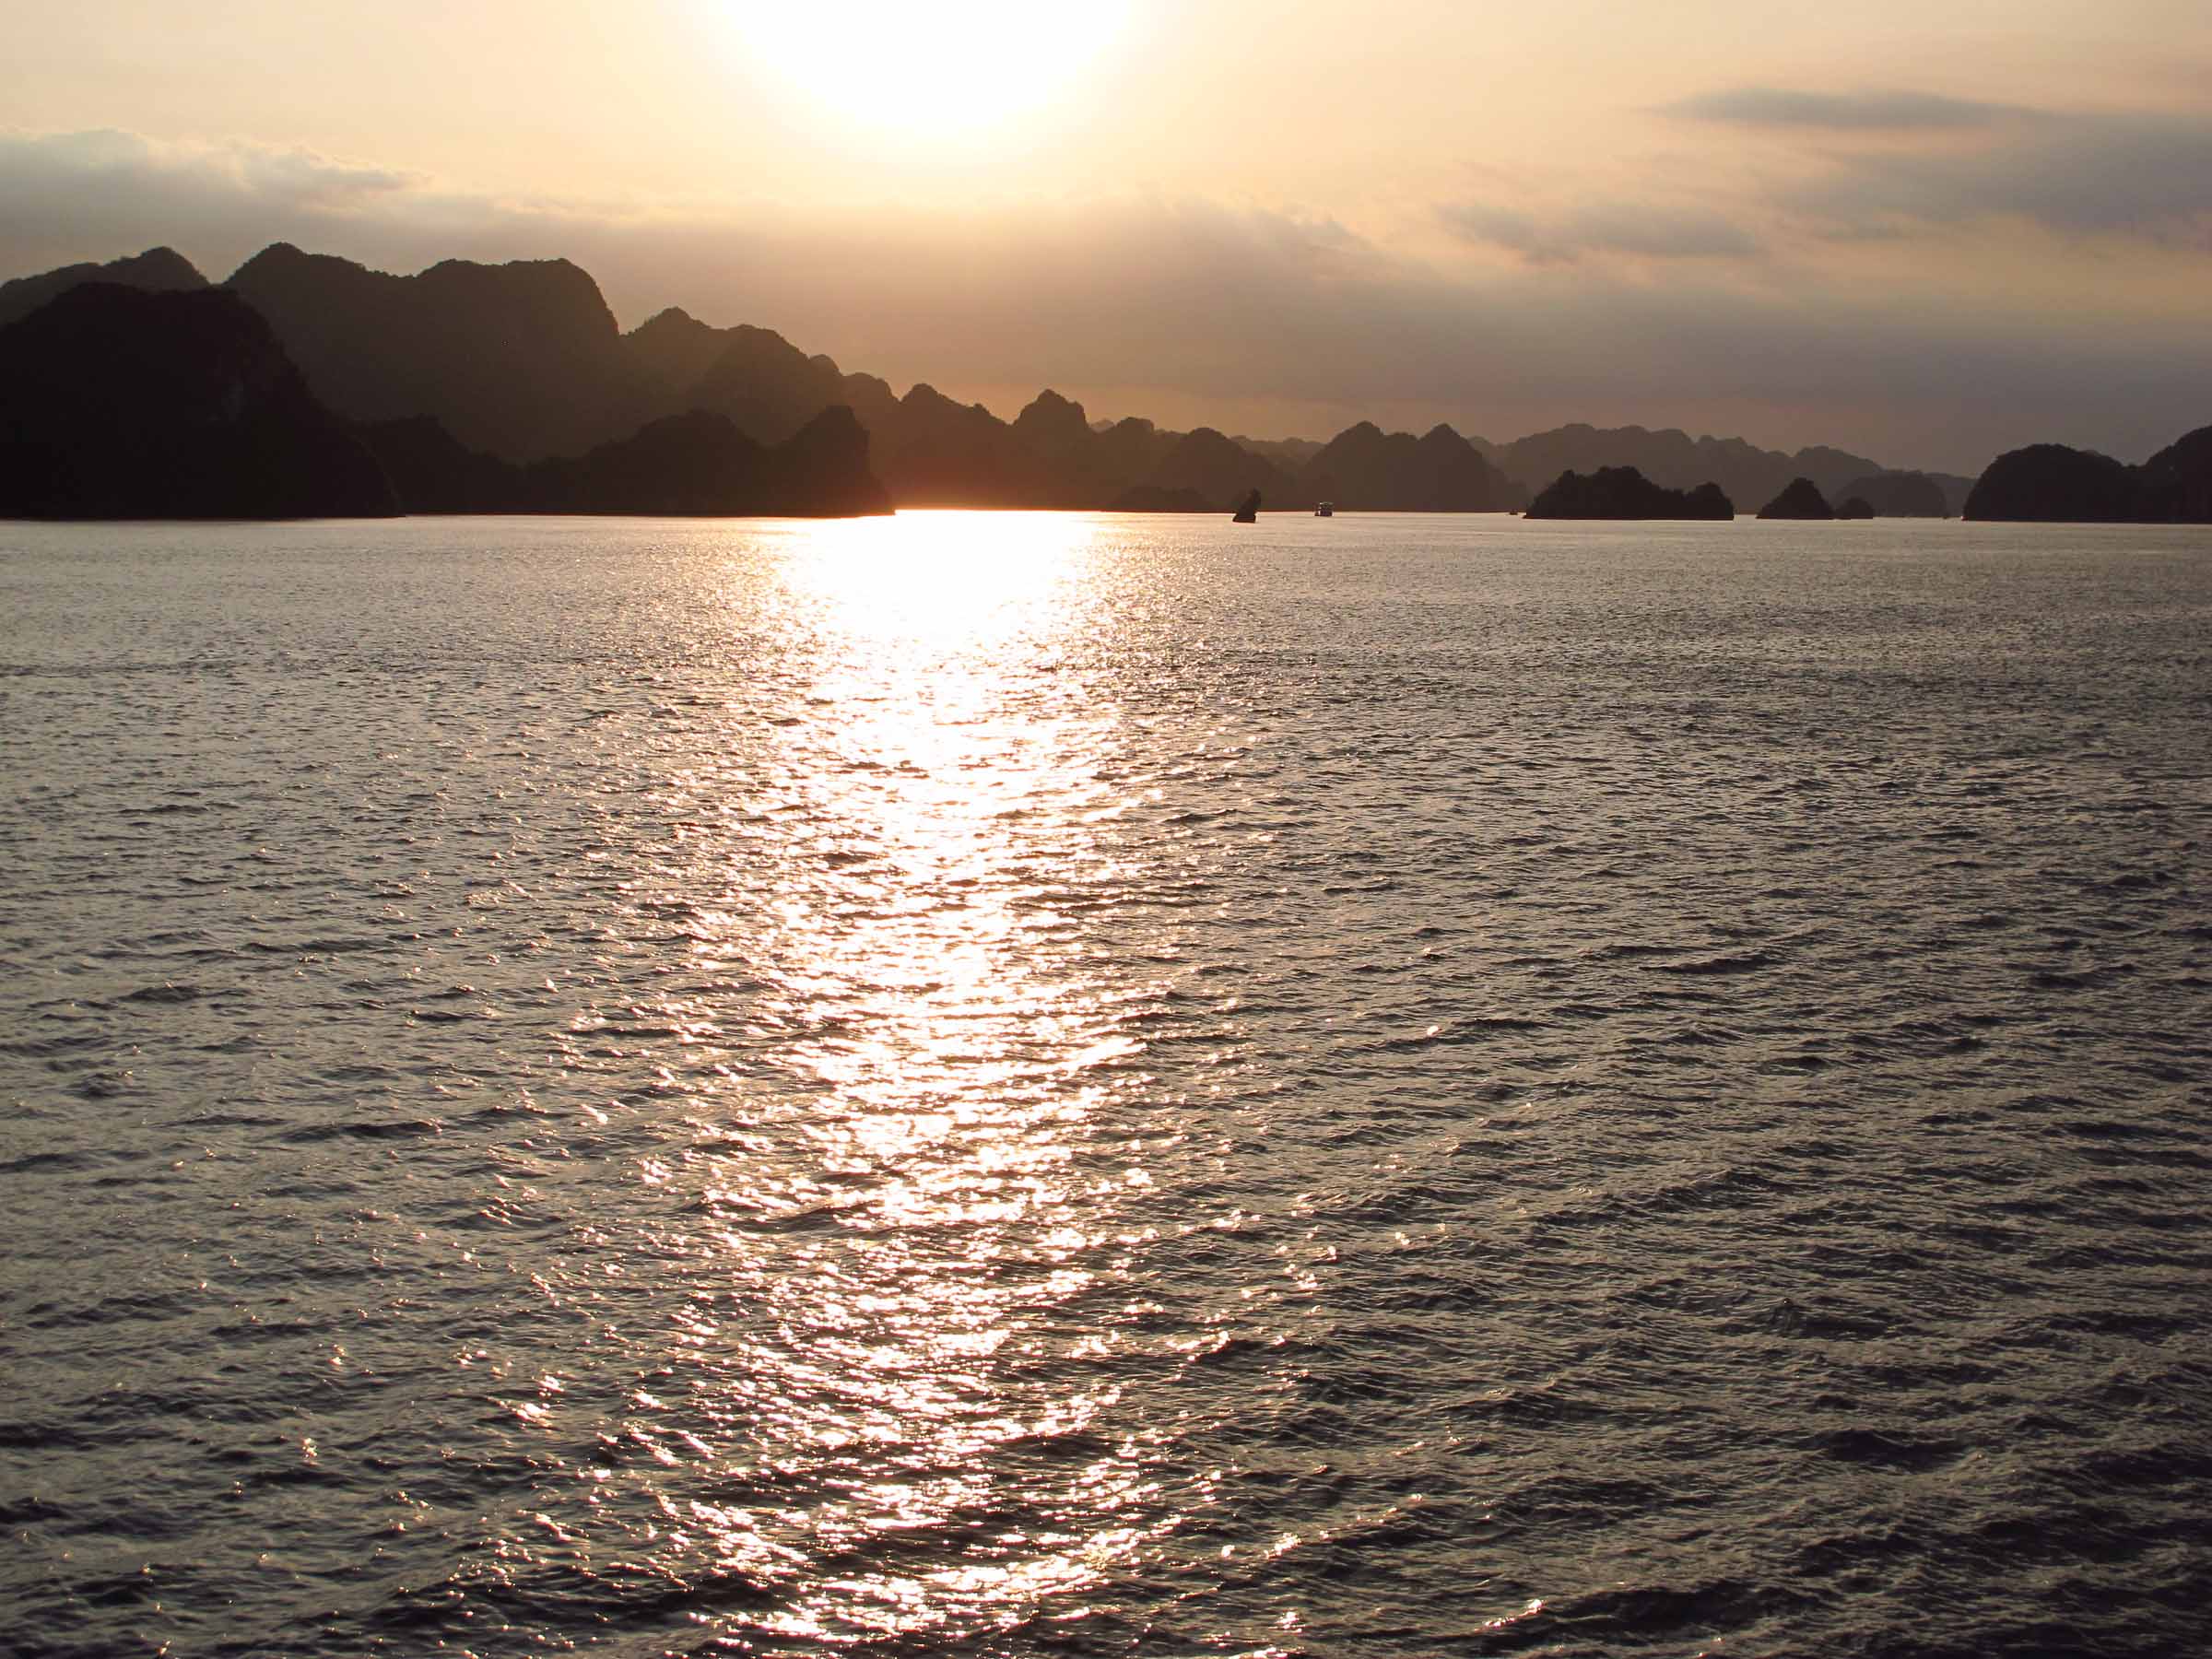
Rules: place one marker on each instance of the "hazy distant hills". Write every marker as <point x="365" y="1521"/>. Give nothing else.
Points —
<point x="520" y="361"/>
<point x="693" y="464"/>
<point x="1365" y="469"/>
<point x="513" y="387"/>
<point x="1674" y="460"/>
<point x="156" y="271"/>
<point x="932" y="451"/>
<point x="1907" y="494"/>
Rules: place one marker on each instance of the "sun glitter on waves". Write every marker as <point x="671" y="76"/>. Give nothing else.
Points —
<point x="916" y="1184"/>
<point x="950" y="68"/>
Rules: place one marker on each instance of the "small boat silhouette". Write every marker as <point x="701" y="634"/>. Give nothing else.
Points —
<point x="1325" y="509"/>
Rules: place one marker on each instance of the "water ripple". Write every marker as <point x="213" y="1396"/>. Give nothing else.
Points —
<point x="1030" y="1084"/>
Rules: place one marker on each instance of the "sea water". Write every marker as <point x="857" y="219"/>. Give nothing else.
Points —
<point x="1016" y="1084"/>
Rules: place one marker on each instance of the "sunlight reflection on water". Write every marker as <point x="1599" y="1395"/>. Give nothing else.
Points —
<point x="914" y="1201"/>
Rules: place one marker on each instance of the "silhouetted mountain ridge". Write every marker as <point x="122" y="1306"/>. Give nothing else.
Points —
<point x="525" y="361"/>
<point x="1671" y="458"/>
<point x="156" y="271"/>
<point x="125" y="401"/>
<point x="932" y="451"/>
<point x="1364" y="468"/>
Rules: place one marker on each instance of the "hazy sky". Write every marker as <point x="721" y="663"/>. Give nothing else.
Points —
<point x="1926" y="231"/>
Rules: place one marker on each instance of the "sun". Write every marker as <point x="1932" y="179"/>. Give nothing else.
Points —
<point x="937" y="67"/>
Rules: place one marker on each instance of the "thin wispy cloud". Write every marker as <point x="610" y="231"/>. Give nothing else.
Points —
<point x="132" y="168"/>
<point x="2123" y="175"/>
<point x="1638" y="229"/>
<point x="1934" y="162"/>
<point x="1870" y="111"/>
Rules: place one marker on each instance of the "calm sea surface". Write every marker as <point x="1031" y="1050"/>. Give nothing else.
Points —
<point x="1045" y="1085"/>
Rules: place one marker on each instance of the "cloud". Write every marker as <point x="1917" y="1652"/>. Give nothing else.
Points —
<point x="2141" y="175"/>
<point x="1891" y="111"/>
<point x="65" y="191"/>
<point x="130" y="169"/>
<point x="1641" y="230"/>
<point x="1928" y="160"/>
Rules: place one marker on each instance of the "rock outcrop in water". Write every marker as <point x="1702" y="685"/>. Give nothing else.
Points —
<point x="2050" y="483"/>
<point x="1801" y="498"/>
<point x="124" y="403"/>
<point x="1622" y="492"/>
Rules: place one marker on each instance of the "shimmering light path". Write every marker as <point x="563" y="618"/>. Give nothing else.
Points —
<point x="1032" y="1084"/>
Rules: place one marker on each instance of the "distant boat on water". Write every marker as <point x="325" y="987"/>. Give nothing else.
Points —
<point x="1325" y="509"/>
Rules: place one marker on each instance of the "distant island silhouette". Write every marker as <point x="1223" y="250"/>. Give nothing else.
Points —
<point x="1799" y="499"/>
<point x="511" y="388"/>
<point x="1622" y="492"/>
<point x="1743" y="472"/>
<point x="2050" y="482"/>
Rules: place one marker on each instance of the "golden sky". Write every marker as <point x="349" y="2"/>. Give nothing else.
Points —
<point x="1925" y="232"/>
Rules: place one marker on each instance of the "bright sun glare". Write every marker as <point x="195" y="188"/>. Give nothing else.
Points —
<point x="949" y="67"/>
